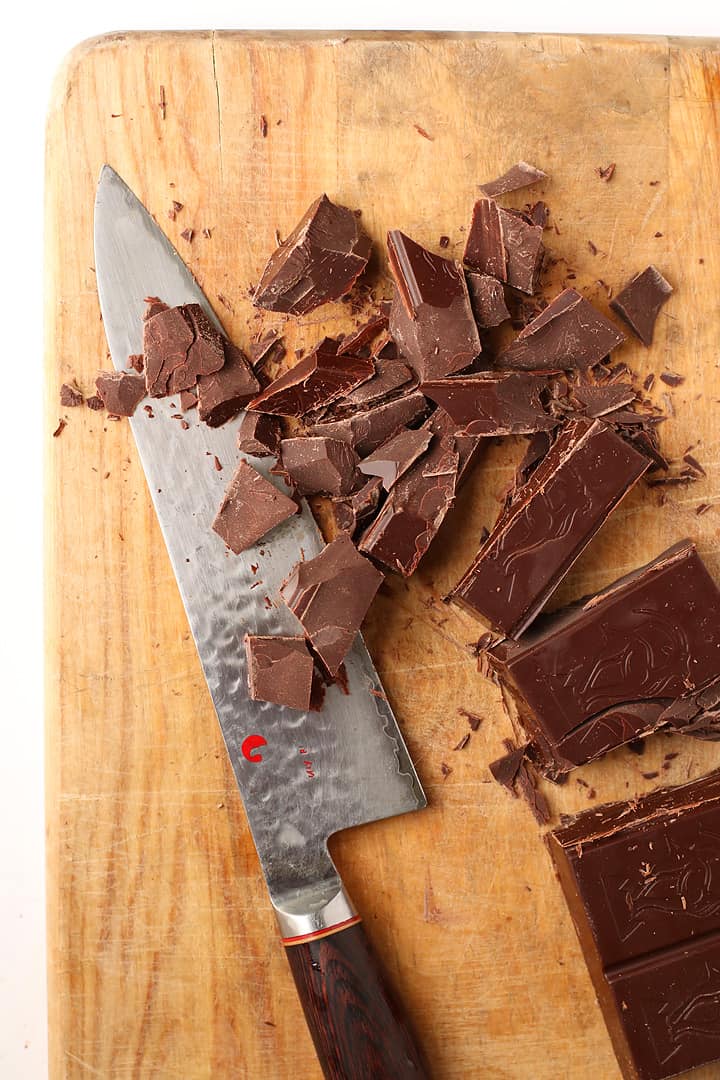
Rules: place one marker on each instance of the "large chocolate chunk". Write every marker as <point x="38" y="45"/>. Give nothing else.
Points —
<point x="569" y="333"/>
<point x="280" y="670"/>
<point x="618" y="665"/>
<point x="250" y="508"/>
<point x="393" y="459"/>
<point x="320" y="261"/>
<point x="179" y="344"/>
<point x="408" y="522"/>
<point x="640" y="301"/>
<point x="120" y="391"/>
<point x="487" y="299"/>
<point x="330" y="595"/>
<point x="259" y="434"/>
<point x="519" y="176"/>
<point x="366" y="429"/>
<point x="319" y="466"/>
<point x="316" y="381"/>
<point x="223" y="394"/>
<point x="642" y="881"/>
<point x="495" y="403"/>
<point x="548" y="524"/>
<point x="504" y="244"/>
<point x="431" y="319"/>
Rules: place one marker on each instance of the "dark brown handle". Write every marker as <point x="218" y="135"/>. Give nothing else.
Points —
<point x="356" y="1024"/>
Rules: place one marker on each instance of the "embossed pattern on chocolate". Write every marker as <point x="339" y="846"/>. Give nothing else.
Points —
<point x="642" y="881"/>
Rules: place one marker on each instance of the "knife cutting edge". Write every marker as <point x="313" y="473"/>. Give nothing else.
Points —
<point x="302" y="776"/>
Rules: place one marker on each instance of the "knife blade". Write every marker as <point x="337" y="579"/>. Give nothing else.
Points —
<point x="302" y="777"/>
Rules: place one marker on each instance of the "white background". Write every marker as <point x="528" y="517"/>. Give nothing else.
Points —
<point x="35" y="39"/>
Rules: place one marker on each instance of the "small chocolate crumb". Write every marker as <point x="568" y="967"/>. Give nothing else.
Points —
<point x="649" y="381"/>
<point x="593" y="250"/>
<point x="62" y="424"/>
<point x="444" y="241"/>
<point x="70" y="396"/>
<point x="650" y="775"/>
<point x="225" y="303"/>
<point x="188" y="234"/>
<point x="473" y="720"/>
<point x="263" y="126"/>
<point x="463" y="742"/>
<point x="207" y="233"/>
<point x="423" y="132"/>
<point x="95" y="403"/>
<point x="702" y="508"/>
<point x="445" y="770"/>
<point x="671" y="378"/>
<point x="162" y="104"/>
<point x="606" y="173"/>
<point x="216" y="462"/>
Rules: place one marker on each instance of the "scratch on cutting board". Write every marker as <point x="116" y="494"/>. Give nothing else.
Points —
<point x="431" y="913"/>
<point x="217" y="95"/>
<point x="84" y="1064"/>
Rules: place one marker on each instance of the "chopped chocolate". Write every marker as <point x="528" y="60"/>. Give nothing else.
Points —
<point x="671" y="378"/>
<point x="361" y="337"/>
<point x="263" y="127"/>
<point x="431" y="319"/>
<point x="463" y="742"/>
<point x="179" y="344"/>
<point x="519" y="176"/>
<point x="539" y="214"/>
<point x="221" y="395"/>
<point x="188" y="400"/>
<point x="390" y="375"/>
<point x="415" y="509"/>
<point x="269" y="350"/>
<point x="216" y="461"/>
<point x="154" y="306"/>
<point x="348" y="512"/>
<point x="694" y="464"/>
<point x="280" y="670"/>
<point x="487" y="299"/>
<point x="635" y="657"/>
<point x="70" y="396"/>
<point x="642" y="882"/>
<point x="188" y="234"/>
<point x="250" y="508"/>
<point x="548" y="524"/>
<point x="317" y="465"/>
<point x="367" y="429"/>
<point x="506" y="768"/>
<point x="444" y="241"/>
<point x="259" y="434"/>
<point x="121" y="392"/>
<point x="640" y="301"/>
<point x="599" y="400"/>
<point x="95" y="403"/>
<point x="569" y="333"/>
<point x="330" y="595"/>
<point x="315" y="381"/>
<point x="61" y="425"/>
<point x="512" y="772"/>
<point x="495" y="403"/>
<point x="137" y="362"/>
<point x="393" y="459"/>
<point x="504" y="244"/>
<point x="472" y="718"/>
<point x="320" y="260"/>
<point x="606" y="173"/>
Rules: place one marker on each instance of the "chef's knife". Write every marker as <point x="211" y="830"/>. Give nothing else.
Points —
<point x="302" y="776"/>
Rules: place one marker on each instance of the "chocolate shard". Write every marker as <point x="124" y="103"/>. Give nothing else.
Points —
<point x="319" y="466"/>
<point x="598" y="401"/>
<point x="330" y="595"/>
<point x="642" y="882"/>
<point x="136" y="361"/>
<point x="360" y="338"/>
<point x="466" y="446"/>
<point x="415" y="509"/>
<point x="250" y="508"/>
<point x="180" y="344"/>
<point x="120" y="391"/>
<point x="569" y="333"/>
<point x="259" y="434"/>
<point x="431" y="319"/>
<point x="640" y="301"/>
<point x="280" y="670"/>
<point x="495" y="403"/>
<point x="154" y="305"/>
<point x="320" y="261"/>
<point x="223" y="394"/>
<point x="315" y="382"/>
<point x="265" y="354"/>
<point x="548" y="523"/>
<point x="390" y="375"/>
<point x="367" y="429"/>
<point x="505" y="244"/>
<point x="487" y="299"/>
<point x="606" y="670"/>
<point x="350" y="511"/>
<point x="393" y="459"/>
<point x="539" y="213"/>
<point x="506" y="768"/>
<point x="188" y="400"/>
<point x="70" y="396"/>
<point x="518" y="176"/>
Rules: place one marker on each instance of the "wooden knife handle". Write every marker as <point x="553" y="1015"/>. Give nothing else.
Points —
<point x="357" y="1026"/>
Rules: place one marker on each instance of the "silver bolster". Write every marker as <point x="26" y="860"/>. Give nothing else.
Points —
<point x="337" y="910"/>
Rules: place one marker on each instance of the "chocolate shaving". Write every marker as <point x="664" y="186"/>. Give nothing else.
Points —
<point x="519" y="176"/>
<point x="70" y="396"/>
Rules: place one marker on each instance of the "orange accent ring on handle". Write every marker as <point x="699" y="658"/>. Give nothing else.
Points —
<point x="302" y="938"/>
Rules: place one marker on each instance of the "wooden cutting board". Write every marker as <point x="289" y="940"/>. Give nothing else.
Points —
<point x="163" y="953"/>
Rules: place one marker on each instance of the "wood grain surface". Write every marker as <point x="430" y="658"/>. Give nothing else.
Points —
<point x="163" y="952"/>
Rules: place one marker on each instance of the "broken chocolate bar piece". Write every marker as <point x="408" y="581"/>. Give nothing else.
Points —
<point x="280" y="670"/>
<point x="600" y="400"/>
<point x="618" y="665"/>
<point x="415" y="509"/>
<point x="320" y="261"/>
<point x="319" y="466"/>
<point x="179" y="344"/>
<point x="259" y="434"/>
<point x="495" y="403"/>
<point x="548" y="523"/>
<point x="120" y="391"/>
<point x="640" y="301"/>
<point x="330" y="595"/>
<point x="266" y="352"/>
<point x="316" y="381"/>
<point x="188" y="400"/>
<point x="223" y="394"/>
<point x="569" y="333"/>
<point x="504" y="244"/>
<point x="431" y="319"/>
<point x="519" y="176"/>
<point x="487" y="299"/>
<point x="154" y="306"/>
<point x="390" y="375"/>
<point x="642" y="882"/>
<point x="250" y="508"/>
<point x="348" y="512"/>
<point x="359" y="339"/>
<point x="393" y="459"/>
<point x="505" y="769"/>
<point x="367" y="429"/>
<point x="70" y="396"/>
